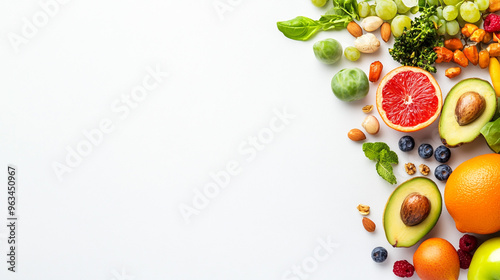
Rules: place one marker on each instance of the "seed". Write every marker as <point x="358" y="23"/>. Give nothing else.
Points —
<point x="424" y="169"/>
<point x="363" y="209"/>
<point x="368" y="224"/>
<point x="367" y="109"/>
<point x="356" y="135"/>
<point x="371" y="125"/>
<point x="410" y="168"/>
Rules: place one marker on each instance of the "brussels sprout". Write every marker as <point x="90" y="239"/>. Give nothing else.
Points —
<point x="328" y="51"/>
<point x="350" y="84"/>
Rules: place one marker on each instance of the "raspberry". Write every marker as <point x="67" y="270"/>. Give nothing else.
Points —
<point x="465" y="258"/>
<point x="468" y="243"/>
<point x="403" y="269"/>
<point x="492" y="23"/>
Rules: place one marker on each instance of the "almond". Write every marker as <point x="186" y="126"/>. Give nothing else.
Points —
<point x="356" y="135"/>
<point x="354" y="29"/>
<point x="385" y="32"/>
<point x="368" y="224"/>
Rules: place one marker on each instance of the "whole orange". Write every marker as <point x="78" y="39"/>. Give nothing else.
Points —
<point x="472" y="195"/>
<point x="436" y="258"/>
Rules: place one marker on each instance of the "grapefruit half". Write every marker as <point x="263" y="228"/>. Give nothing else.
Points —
<point x="409" y="99"/>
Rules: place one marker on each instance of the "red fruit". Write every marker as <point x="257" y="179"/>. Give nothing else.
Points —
<point x="409" y="99"/>
<point x="403" y="269"/>
<point x="465" y="258"/>
<point x="468" y="243"/>
<point x="492" y="23"/>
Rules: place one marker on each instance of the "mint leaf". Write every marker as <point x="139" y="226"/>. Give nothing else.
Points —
<point x="384" y="169"/>
<point x="388" y="156"/>
<point x="382" y="154"/>
<point x="372" y="150"/>
<point x="491" y="132"/>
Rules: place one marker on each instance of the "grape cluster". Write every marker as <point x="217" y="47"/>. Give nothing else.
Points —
<point x="451" y="14"/>
<point x="394" y="11"/>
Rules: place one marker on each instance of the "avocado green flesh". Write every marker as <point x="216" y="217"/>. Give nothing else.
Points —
<point x="397" y="233"/>
<point x="452" y="134"/>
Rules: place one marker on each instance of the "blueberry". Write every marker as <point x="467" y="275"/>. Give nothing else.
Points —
<point x="442" y="154"/>
<point x="425" y="151"/>
<point x="406" y="143"/>
<point x="379" y="254"/>
<point x="442" y="172"/>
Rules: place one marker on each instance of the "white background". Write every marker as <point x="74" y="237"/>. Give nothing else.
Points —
<point x="116" y="215"/>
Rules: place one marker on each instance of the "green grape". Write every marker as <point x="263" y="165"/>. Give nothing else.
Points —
<point x="439" y="12"/>
<point x="479" y="22"/>
<point x="399" y="23"/>
<point x="450" y="13"/>
<point x="470" y="12"/>
<point x="414" y="10"/>
<point x="452" y="28"/>
<point x="352" y="53"/>
<point x="433" y="2"/>
<point x="373" y="10"/>
<point x="402" y="8"/>
<point x="386" y="10"/>
<point x="364" y="9"/>
<point x="451" y="2"/>
<point x="442" y="27"/>
<point x="319" y="3"/>
<point x="482" y="4"/>
<point x="434" y="19"/>
<point x="459" y="19"/>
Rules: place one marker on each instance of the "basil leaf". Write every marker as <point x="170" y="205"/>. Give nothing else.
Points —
<point x="384" y="169"/>
<point x="491" y="132"/>
<point x="338" y="22"/>
<point x="300" y="28"/>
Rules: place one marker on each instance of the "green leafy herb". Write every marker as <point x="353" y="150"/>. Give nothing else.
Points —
<point x="415" y="47"/>
<point x="491" y="132"/>
<point x="388" y="156"/>
<point x="382" y="154"/>
<point x="372" y="150"/>
<point x="384" y="169"/>
<point x="338" y="17"/>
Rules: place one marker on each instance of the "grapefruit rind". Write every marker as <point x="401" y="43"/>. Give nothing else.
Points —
<point x="379" y="99"/>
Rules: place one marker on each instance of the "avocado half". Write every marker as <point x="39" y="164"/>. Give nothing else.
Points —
<point x="397" y="232"/>
<point x="452" y="133"/>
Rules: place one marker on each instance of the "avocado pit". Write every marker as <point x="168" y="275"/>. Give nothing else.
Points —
<point x="415" y="209"/>
<point x="470" y="106"/>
